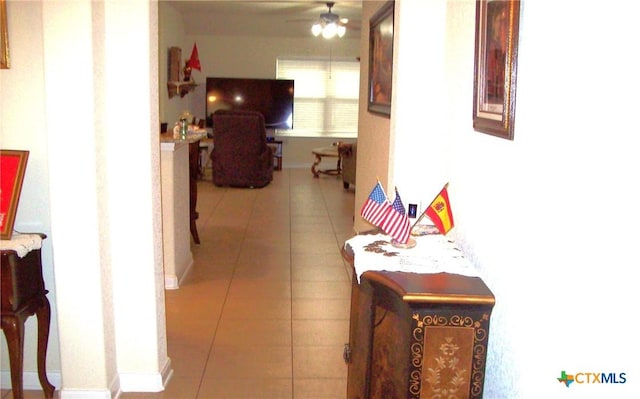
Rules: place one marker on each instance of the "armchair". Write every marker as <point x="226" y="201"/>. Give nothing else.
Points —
<point x="348" y="152"/>
<point x="240" y="156"/>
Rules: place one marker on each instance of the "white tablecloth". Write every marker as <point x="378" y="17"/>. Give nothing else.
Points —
<point x="432" y="254"/>
<point x="22" y="243"/>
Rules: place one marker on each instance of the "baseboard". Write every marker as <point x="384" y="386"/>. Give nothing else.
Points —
<point x="172" y="281"/>
<point x="77" y="394"/>
<point x="125" y="382"/>
<point x="146" y="382"/>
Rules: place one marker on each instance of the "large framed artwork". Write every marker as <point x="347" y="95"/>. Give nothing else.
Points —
<point x="496" y="60"/>
<point x="4" y="36"/>
<point x="13" y="164"/>
<point x="381" y="60"/>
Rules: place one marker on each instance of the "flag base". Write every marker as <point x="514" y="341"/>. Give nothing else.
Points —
<point x="409" y="244"/>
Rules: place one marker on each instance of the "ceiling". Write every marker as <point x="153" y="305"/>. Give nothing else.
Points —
<point x="282" y="18"/>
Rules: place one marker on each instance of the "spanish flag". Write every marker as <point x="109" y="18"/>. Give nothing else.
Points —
<point x="440" y="211"/>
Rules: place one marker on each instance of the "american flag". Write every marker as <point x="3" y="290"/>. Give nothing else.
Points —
<point x="396" y="223"/>
<point x="376" y="207"/>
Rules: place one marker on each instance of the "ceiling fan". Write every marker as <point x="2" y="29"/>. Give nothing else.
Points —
<point x="330" y="25"/>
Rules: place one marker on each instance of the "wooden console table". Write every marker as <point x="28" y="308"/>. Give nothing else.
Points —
<point x="23" y="295"/>
<point x="417" y="336"/>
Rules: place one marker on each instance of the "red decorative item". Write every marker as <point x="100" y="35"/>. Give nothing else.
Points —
<point x="194" y="61"/>
<point x="13" y="164"/>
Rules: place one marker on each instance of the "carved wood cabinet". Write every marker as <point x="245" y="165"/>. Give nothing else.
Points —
<point x="417" y="336"/>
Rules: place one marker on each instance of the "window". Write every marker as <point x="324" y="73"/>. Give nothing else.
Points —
<point x="325" y="98"/>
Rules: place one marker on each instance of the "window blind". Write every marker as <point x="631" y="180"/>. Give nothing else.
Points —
<point x="325" y="97"/>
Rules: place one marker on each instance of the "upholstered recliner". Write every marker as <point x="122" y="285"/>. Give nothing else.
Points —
<point x="348" y="152"/>
<point x="240" y="156"/>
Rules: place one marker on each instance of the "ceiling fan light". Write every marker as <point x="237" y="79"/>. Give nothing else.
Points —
<point x="341" y="30"/>
<point x="329" y="31"/>
<point x="316" y="29"/>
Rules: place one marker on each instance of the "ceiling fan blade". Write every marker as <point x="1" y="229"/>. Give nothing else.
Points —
<point x="309" y="20"/>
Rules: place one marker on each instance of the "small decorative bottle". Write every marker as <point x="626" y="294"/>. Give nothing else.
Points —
<point x="183" y="129"/>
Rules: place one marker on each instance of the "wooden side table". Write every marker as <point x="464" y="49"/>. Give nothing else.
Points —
<point x="23" y="295"/>
<point x="327" y="152"/>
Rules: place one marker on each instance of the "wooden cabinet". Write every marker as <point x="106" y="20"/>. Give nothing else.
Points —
<point x="417" y="335"/>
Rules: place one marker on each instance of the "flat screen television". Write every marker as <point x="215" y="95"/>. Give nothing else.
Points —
<point x="271" y="97"/>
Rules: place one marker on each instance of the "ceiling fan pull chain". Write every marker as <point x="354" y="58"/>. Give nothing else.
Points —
<point x="330" y="61"/>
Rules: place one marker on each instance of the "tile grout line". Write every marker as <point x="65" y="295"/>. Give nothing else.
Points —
<point x="291" y="283"/>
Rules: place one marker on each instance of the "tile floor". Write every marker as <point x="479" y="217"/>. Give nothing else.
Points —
<point x="264" y="312"/>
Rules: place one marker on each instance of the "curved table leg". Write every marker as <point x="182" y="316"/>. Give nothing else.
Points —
<point x="13" y="327"/>
<point x="43" y="315"/>
<point x="316" y="163"/>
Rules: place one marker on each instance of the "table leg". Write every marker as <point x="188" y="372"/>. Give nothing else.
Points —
<point x="13" y="327"/>
<point x="313" y="167"/>
<point x="43" y="315"/>
<point x="194" y="156"/>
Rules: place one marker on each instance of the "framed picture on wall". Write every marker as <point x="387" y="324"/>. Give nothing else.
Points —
<point x="13" y="164"/>
<point x="4" y="36"/>
<point x="381" y="60"/>
<point x="495" y="70"/>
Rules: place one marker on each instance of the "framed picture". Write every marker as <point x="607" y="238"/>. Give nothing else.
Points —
<point x="13" y="165"/>
<point x="381" y="60"/>
<point x="4" y="36"/>
<point x="496" y="60"/>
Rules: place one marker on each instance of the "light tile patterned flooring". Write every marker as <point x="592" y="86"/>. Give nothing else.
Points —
<point x="264" y="311"/>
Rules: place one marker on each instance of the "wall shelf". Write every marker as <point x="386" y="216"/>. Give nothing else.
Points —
<point x="180" y="88"/>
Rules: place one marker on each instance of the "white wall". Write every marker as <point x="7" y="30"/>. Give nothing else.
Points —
<point x="374" y="138"/>
<point x="170" y="34"/>
<point x="548" y="218"/>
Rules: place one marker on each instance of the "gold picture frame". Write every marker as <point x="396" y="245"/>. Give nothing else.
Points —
<point x="495" y="69"/>
<point x="381" y="60"/>
<point x="4" y="37"/>
<point x="13" y="164"/>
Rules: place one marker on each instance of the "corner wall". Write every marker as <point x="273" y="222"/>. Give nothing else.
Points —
<point x="549" y="218"/>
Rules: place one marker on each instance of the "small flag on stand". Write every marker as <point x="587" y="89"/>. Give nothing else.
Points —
<point x="440" y="211"/>
<point x="376" y="207"/>
<point x="194" y="60"/>
<point x="397" y="223"/>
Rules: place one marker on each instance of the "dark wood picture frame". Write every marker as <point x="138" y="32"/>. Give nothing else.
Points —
<point x="495" y="69"/>
<point x="13" y="164"/>
<point x="381" y="60"/>
<point x="4" y="36"/>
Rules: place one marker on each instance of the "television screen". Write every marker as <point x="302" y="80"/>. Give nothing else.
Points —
<point x="271" y="97"/>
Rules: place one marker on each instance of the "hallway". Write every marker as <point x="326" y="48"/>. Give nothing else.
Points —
<point x="264" y="311"/>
